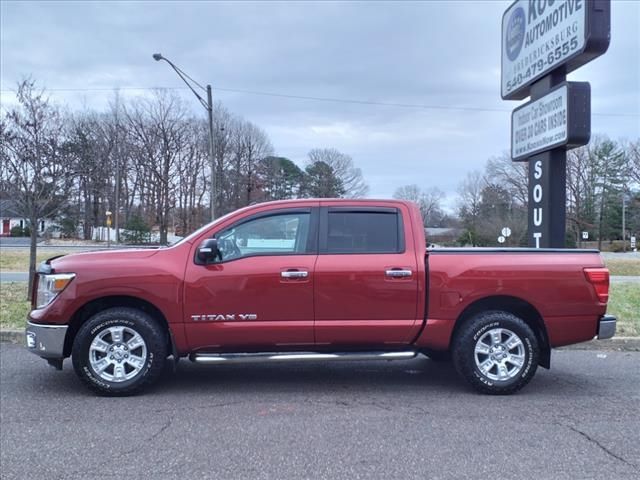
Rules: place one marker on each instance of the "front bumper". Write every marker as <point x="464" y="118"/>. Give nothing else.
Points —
<point x="606" y="327"/>
<point x="46" y="341"/>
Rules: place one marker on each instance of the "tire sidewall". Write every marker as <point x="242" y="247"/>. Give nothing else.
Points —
<point x="95" y="326"/>
<point x="465" y="357"/>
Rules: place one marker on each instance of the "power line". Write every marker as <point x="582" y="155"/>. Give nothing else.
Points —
<point x="319" y="99"/>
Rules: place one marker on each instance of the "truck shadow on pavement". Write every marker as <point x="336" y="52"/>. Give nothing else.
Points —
<point x="312" y="376"/>
<point x="418" y="375"/>
<point x="421" y="375"/>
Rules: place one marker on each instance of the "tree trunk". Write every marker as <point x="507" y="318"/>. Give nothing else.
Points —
<point x="32" y="254"/>
<point x="600" y="221"/>
<point x="164" y="227"/>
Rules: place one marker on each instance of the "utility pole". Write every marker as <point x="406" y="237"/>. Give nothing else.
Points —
<point x="108" y="214"/>
<point x="212" y="157"/>
<point x="624" y="221"/>
<point x="208" y="105"/>
<point x="116" y="211"/>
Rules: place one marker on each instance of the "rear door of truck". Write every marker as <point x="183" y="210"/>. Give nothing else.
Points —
<point x="366" y="276"/>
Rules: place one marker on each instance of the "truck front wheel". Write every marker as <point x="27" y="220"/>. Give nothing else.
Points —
<point x="496" y="352"/>
<point x="119" y="351"/>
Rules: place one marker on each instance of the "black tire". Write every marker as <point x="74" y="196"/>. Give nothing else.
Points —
<point x="153" y="353"/>
<point x="476" y="331"/>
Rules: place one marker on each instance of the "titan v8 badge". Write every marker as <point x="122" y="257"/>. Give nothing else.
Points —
<point x="229" y="317"/>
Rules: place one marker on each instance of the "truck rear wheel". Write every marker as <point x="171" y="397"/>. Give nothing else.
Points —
<point x="119" y="351"/>
<point x="496" y="352"/>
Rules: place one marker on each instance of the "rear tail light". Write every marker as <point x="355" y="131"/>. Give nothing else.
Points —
<point x="599" y="278"/>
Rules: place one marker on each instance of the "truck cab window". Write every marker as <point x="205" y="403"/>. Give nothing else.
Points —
<point x="364" y="232"/>
<point x="283" y="234"/>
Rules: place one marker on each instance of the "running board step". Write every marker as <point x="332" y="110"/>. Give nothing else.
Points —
<point x="298" y="356"/>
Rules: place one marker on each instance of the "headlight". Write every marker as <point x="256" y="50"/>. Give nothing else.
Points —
<point x="49" y="286"/>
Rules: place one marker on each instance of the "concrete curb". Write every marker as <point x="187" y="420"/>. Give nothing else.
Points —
<point x="621" y="344"/>
<point x="12" y="336"/>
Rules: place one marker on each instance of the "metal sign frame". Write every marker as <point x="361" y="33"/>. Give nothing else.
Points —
<point x="597" y="34"/>
<point x="578" y="121"/>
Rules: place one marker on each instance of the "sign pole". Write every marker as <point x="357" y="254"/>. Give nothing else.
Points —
<point x="547" y="199"/>
<point x="547" y="182"/>
<point x="543" y="41"/>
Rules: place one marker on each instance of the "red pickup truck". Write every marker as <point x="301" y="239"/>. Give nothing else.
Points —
<point x="315" y="280"/>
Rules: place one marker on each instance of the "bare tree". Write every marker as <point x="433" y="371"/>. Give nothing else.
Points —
<point x="632" y="150"/>
<point x="33" y="159"/>
<point x="343" y="168"/>
<point x="581" y="192"/>
<point x="158" y="127"/>
<point x="470" y="203"/>
<point x="90" y="145"/>
<point x="429" y="202"/>
<point x="512" y="176"/>
<point x="192" y="177"/>
<point x="250" y="145"/>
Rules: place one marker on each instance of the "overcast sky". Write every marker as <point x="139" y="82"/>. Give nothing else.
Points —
<point x="441" y="54"/>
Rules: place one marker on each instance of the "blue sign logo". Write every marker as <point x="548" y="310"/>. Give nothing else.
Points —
<point x="514" y="36"/>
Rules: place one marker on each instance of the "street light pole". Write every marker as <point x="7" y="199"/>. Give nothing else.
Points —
<point x="212" y="157"/>
<point x="108" y="214"/>
<point x="208" y="105"/>
<point x="624" y="222"/>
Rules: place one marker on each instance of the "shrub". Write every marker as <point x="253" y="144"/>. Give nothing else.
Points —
<point x="68" y="228"/>
<point x="18" y="231"/>
<point x="136" y="231"/>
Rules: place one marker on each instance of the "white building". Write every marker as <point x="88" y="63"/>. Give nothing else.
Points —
<point x="9" y="218"/>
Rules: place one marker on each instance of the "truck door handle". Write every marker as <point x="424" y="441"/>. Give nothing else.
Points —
<point x="294" y="274"/>
<point x="398" y="273"/>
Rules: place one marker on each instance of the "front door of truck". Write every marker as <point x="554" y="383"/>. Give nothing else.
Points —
<point x="259" y="294"/>
<point x="366" y="277"/>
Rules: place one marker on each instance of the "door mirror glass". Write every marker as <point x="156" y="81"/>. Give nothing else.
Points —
<point x="208" y="251"/>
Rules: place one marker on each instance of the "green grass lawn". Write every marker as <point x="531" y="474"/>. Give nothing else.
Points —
<point x="13" y="305"/>
<point x="17" y="260"/>
<point x="624" y="303"/>
<point x="623" y="266"/>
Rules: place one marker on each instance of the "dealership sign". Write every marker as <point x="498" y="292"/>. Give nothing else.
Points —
<point x="542" y="41"/>
<point x="562" y="117"/>
<point x="539" y="36"/>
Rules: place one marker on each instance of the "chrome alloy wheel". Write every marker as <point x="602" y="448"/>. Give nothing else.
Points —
<point x="499" y="354"/>
<point x="117" y="354"/>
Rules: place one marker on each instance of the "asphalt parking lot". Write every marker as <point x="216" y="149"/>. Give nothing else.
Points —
<point x="405" y="419"/>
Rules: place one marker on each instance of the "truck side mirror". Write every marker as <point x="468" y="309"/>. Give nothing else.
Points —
<point x="208" y="251"/>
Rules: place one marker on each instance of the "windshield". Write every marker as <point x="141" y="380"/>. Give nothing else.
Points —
<point x="190" y="238"/>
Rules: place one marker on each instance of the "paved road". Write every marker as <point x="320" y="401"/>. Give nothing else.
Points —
<point x="15" y="241"/>
<point x="14" y="276"/>
<point x="624" y="279"/>
<point x="409" y="419"/>
<point x="635" y="254"/>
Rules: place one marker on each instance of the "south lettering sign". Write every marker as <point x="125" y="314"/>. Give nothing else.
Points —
<point x="562" y="117"/>
<point x="539" y="36"/>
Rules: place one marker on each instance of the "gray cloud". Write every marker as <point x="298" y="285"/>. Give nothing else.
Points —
<point x="433" y="53"/>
